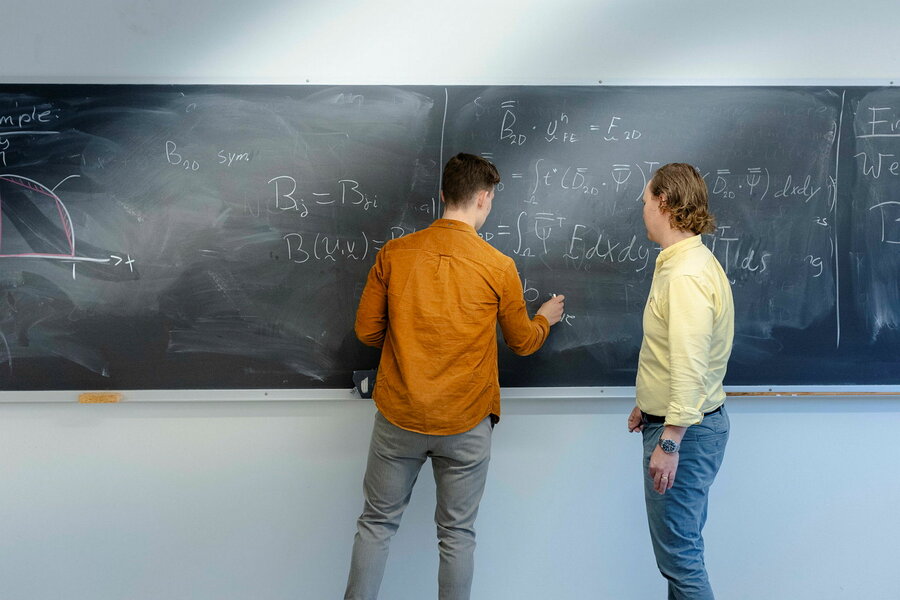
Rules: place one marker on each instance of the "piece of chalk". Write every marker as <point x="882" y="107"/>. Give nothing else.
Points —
<point x="99" y="397"/>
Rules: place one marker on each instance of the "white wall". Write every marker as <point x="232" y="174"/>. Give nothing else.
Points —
<point x="191" y="501"/>
<point x="466" y="41"/>
<point x="256" y="500"/>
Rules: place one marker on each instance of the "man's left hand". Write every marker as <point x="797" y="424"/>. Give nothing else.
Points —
<point x="662" y="469"/>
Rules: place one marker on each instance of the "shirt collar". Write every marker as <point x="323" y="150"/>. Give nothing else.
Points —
<point x="455" y="225"/>
<point x="678" y="248"/>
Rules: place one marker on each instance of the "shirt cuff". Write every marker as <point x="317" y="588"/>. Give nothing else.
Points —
<point x="683" y="416"/>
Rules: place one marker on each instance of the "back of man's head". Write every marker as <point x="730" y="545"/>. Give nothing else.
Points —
<point x="464" y="176"/>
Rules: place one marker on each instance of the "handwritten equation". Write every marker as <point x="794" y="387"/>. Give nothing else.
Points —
<point x="878" y="129"/>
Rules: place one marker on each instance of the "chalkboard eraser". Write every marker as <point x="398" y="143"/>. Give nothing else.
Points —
<point x="364" y="382"/>
<point x="99" y="398"/>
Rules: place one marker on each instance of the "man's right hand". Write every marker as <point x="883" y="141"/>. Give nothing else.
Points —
<point x="635" y="420"/>
<point x="552" y="309"/>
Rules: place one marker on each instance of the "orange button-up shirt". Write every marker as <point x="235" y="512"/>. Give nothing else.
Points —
<point x="431" y="303"/>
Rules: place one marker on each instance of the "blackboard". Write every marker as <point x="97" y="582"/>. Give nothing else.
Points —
<point x="218" y="237"/>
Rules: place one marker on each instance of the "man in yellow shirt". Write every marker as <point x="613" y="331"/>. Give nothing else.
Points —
<point x="688" y="333"/>
<point x="432" y="303"/>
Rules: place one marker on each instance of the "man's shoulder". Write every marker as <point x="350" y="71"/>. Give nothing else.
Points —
<point x="488" y="259"/>
<point x="693" y="262"/>
<point x="492" y="255"/>
<point x="473" y="247"/>
<point x="410" y="241"/>
<point x="697" y="269"/>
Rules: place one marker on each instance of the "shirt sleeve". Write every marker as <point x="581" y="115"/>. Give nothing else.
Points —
<point x="690" y="323"/>
<point x="523" y="335"/>
<point x="372" y="314"/>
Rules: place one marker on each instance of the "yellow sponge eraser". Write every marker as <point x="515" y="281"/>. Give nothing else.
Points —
<point x="99" y="397"/>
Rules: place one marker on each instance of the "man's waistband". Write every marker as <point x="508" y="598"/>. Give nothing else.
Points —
<point x="655" y="419"/>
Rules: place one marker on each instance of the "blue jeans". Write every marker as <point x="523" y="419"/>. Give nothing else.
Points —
<point x="677" y="517"/>
<point x="460" y="465"/>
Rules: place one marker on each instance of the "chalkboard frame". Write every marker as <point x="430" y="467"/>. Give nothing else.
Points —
<point x="314" y="393"/>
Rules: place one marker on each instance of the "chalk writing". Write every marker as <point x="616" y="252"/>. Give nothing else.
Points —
<point x="507" y="132"/>
<point x="175" y="158"/>
<point x="326" y="247"/>
<point x="557" y="130"/>
<point x="228" y="158"/>
<point x="890" y="221"/>
<point x="28" y="116"/>
<point x="873" y="167"/>
<point x="586" y="245"/>
<point x="805" y="190"/>
<point x="883" y="122"/>
<point x="533" y="294"/>
<point x="615" y="132"/>
<point x="285" y="201"/>
<point x="734" y="253"/>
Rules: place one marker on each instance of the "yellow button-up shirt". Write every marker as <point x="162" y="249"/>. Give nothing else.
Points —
<point x="688" y="333"/>
<point x="431" y="303"/>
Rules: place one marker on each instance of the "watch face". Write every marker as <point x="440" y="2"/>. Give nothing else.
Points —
<point x="668" y="446"/>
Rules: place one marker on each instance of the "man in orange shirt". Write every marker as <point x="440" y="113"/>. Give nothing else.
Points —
<point x="431" y="303"/>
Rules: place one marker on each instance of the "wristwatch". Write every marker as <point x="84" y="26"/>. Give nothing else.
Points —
<point x="669" y="446"/>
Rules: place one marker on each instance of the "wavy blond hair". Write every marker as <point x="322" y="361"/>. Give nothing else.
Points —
<point x="686" y="198"/>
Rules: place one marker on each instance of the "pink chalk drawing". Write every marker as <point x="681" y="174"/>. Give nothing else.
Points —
<point x="57" y="207"/>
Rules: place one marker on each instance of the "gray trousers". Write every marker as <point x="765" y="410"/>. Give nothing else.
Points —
<point x="460" y="465"/>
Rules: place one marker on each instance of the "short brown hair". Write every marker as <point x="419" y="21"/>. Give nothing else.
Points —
<point x="687" y="200"/>
<point x="464" y="176"/>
